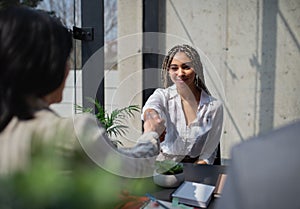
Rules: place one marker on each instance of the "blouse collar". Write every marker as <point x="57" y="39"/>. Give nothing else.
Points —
<point x="204" y="99"/>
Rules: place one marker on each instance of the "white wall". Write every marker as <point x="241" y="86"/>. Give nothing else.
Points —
<point x="129" y="89"/>
<point x="255" y="51"/>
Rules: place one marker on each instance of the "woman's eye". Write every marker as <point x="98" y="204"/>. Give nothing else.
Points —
<point x="174" y="68"/>
<point x="185" y="67"/>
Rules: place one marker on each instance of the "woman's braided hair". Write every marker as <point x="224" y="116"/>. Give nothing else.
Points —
<point x="196" y="63"/>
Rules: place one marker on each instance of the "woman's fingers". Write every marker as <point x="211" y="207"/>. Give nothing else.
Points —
<point x="154" y="123"/>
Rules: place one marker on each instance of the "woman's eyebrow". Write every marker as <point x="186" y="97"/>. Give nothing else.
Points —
<point x="185" y="63"/>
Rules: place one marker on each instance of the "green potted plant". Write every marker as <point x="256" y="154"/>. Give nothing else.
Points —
<point x="168" y="173"/>
<point x="114" y="122"/>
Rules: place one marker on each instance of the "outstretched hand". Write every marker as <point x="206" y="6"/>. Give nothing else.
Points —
<point x="154" y="123"/>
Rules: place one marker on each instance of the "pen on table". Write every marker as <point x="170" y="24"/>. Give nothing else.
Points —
<point x="155" y="200"/>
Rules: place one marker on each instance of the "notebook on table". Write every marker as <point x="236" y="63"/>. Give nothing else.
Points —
<point x="195" y="194"/>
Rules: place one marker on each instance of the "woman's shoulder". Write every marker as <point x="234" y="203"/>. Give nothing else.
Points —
<point x="207" y="99"/>
<point x="166" y="92"/>
<point x="77" y="129"/>
<point x="215" y="100"/>
<point x="78" y="123"/>
<point x="160" y="91"/>
<point x="86" y="121"/>
<point x="216" y="105"/>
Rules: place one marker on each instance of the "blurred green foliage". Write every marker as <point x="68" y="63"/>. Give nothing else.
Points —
<point x="57" y="181"/>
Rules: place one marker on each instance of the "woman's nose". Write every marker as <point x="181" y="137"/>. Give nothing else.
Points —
<point x="180" y="72"/>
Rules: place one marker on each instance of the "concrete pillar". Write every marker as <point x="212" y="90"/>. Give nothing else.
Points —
<point x="129" y="89"/>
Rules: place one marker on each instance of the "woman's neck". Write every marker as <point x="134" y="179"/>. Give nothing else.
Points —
<point x="189" y="94"/>
<point x="36" y="103"/>
<point x="190" y="99"/>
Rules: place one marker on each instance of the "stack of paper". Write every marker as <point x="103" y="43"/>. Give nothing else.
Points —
<point x="195" y="194"/>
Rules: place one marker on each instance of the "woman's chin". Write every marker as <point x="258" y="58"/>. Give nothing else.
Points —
<point x="181" y="84"/>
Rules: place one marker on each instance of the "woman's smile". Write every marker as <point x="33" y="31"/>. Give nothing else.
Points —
<point x="181" y="70"/>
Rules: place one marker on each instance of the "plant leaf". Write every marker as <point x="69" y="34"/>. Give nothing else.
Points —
<point x="114" y="123"/>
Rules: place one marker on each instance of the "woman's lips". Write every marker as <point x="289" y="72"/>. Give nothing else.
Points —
<point x="181" y="79"/>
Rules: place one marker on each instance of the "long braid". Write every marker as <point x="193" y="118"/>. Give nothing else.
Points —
<point x="165" y="66"/>
<point x="196" y="62"/>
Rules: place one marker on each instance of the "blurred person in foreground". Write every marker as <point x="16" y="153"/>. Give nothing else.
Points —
<point x="34" y="60"/>
<point x="264" y="172"/>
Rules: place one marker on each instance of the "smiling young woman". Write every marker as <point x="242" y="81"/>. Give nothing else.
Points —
<point x="183" y="76"/>
<point x="193" y="117"/>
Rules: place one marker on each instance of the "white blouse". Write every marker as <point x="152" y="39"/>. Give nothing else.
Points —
<point x="200" y="138"/>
